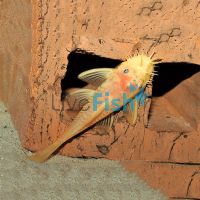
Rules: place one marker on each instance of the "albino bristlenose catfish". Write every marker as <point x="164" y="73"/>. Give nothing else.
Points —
<point x="115" y="88"/>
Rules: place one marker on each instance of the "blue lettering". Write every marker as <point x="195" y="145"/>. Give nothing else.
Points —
<point x="133" y="88"/>
<point x="126" y="101"/>
<point x="95" y="101"/>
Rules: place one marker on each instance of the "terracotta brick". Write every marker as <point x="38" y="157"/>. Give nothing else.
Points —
<point x="32" y="87"/>
<point x="178" y="181"/>
<point x="39" y="39"/>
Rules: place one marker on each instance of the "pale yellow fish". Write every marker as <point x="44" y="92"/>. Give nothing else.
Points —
<point x="111" y="84"/>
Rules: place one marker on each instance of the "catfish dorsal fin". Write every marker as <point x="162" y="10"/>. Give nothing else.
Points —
<point x="95" y="76"/>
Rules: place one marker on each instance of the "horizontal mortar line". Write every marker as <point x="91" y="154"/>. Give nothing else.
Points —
<point x="163" y="162"/>
<point x="184" y="198"/>
<point x="176" y="163"/>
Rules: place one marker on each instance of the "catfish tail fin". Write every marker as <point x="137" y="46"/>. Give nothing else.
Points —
<point x="46" y="153"/>
<point x="43" y="155"/>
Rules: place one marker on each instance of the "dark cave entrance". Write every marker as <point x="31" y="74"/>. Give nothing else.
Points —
<point x="79" y="61"/>
<point x="175" y="90"/>
<point x="172" y="74"/>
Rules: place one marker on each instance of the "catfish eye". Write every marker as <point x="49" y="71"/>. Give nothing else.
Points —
<point x="126" y="71"/>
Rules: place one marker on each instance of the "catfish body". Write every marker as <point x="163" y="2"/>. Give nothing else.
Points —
<point x="128" y="79"/>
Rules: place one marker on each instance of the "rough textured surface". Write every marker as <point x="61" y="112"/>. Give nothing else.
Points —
<point x="35" y="103"/>
<point x="15" y="59"/>
<point x="57" y="33"/>
<point x="62" y="178"/>
<point x="174" y="179"/>
<point x="31" y="86"/>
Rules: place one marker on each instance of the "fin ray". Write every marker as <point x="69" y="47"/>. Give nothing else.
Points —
<point x="95" y="76"/>
<point x="107" y="122"/>
<point x="131" y="114"/>
<point x="77" y="98"/>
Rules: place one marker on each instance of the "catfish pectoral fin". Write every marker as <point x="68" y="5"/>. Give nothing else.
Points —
<point x="131" y="112"/>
